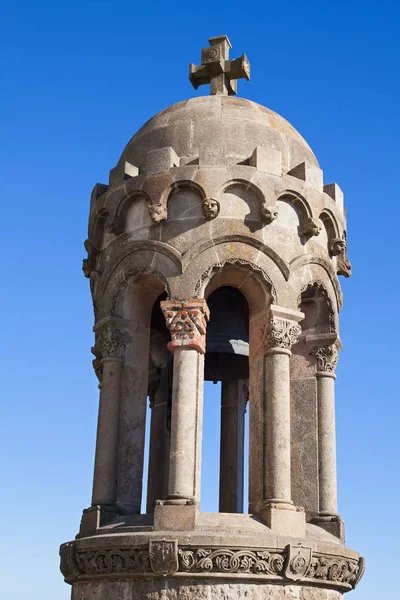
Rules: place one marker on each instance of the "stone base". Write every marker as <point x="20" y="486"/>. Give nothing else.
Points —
<point x="189" y="589"/>
<point x="331" y="524"/>
<point x="95" y="517"/>
<point x="284" y="519"/>
<point x="178" y="517"/>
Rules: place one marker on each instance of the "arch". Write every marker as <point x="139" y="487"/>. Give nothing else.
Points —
<point x="243" y="183"/>
<point x="96" y="231"/>
<point x="175" y="189"/>
<point x="317" y="290"/>
<point x="299" y="201"/>
<point x="117" y="223"/>
<point x="204" y="289"/>
<point x="249" y="241"/>
<point x="301" y="261"/>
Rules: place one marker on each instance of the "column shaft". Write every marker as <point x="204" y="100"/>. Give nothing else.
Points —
<point x="232" y="447"/>
<point x="185" y="448"/>
<point x="105" y="469"/>
<point x="327" y="443"/>
<point x="159" y="443"/>
<point x="132" y="424"/>
<point x="277" y="424"/>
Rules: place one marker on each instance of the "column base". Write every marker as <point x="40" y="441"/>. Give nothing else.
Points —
<point x="175" y="515"/>
<point x="284" y="518"/>
<point x="94" y="517"/>
<point x="331" y="523"/>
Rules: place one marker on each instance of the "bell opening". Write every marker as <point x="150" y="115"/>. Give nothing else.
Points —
<point x="227" y="342"/>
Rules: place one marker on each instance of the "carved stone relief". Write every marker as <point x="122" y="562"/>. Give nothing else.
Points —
<point x="281" y="333"/>
<point x="327" y="357"/>
<point x="311" y="227"/>
<point x="187" y="322"/>
<point x="268" y="213"/>
<point x="165" y="557"/>
<point x="158" y="212"/>
<point x="211" y="208"/>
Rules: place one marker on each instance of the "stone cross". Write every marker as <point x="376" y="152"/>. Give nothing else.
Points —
<point x="217" y="70"/>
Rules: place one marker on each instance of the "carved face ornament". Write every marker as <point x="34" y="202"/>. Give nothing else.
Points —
<point x="211" y="208"/>
<point x="158" y="212"/>
<point x="268" y="213"/>
<point x="338" y="246"/>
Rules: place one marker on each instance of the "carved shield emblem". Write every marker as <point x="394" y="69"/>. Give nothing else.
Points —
<point x="298" y="562"/>
<point x="164" y="556"/>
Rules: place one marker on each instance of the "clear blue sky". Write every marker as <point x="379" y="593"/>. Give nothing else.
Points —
<point x="78" y="78"/>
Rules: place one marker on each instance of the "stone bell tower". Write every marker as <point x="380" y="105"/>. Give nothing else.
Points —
<point x="214" y="253"/>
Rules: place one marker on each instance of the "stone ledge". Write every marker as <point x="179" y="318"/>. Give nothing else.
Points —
<point x="165" y="557"/>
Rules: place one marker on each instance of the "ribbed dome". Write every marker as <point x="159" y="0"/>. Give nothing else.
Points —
<point x="239" y="124"/>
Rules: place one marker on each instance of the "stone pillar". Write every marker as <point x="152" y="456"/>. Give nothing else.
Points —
<point x="231" y="479"/>
<point x="278" y="510"/>
<point x="186" y="321"/>
<point x="111" y="342"/>
<point x="159" y="437"/>
<point x="327" y="357"/>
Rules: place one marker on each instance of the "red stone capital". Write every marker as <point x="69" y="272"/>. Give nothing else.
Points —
<point x="187" y="323"/>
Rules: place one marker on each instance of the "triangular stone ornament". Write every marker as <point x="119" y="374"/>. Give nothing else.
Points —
<point x="164" y="556"/>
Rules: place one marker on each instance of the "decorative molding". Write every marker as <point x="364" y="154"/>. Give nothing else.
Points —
<point x="206" y="276"/>
<point x="268" y="213"/>
<point x="207" y="560"/>
<point x="327" y="357"/>
<point x="164" y="557"/>
<point x="281" y="333"/>
<point x="187" y="323"/>
<point x="211" y="208"/>
<point x="111" y="343"/>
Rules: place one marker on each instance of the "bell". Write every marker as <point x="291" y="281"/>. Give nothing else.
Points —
<point x="227" y="342"/>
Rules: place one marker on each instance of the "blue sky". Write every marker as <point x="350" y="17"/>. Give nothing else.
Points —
<point x="77" y="80"/>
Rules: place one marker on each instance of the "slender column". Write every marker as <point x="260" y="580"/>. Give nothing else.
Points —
<point x="281" y="333"/>
<point x="231" y="480"/>
<point x="186" y="321"/>
<point x="109" y="352"/>
<point x="327" y="357"/>
<point x="159" y="438"/>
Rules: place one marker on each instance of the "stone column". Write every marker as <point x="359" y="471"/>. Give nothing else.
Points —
<point x="327" y="357"/>
<point x="186" y="321"/>
<point x="111" y="342"/>
<point x="278" y="510"/>
<point x="231" y="479"/>
<point x="159" y="437"/>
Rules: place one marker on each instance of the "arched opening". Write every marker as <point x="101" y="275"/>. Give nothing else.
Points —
<point x="227" y="364"/>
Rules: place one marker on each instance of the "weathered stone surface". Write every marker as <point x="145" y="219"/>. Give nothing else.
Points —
<point x="215" y="192"/>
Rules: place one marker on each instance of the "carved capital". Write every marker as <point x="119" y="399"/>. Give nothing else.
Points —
<point x="327" y="357"/>
<point x="111" y="342"/>
<point x="281" y="333"/>
<point x="187" y="323"/>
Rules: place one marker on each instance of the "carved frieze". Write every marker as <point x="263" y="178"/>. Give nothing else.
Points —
<point x="164" y="557"/>
<point x="327" y="357"/>
<point x="281" y="333"/>
<point x="187" y="322"/>
<point x="111" y="343"/>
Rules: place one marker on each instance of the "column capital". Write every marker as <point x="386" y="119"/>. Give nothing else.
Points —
<point x="327" y="357"/>
<point x="283" y="329"/>
<point x="187" y="323"/>
<point x="111" y="339"/>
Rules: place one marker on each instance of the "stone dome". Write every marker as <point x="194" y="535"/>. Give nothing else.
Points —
<point x="238" y="124"/>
